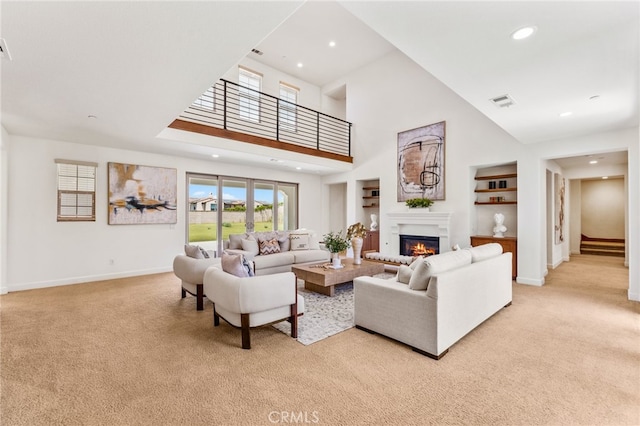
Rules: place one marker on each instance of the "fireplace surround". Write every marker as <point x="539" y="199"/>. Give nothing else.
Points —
<point x="419" y="222"/>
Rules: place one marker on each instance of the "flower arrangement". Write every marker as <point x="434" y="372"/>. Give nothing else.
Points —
<point x="418" y="202"/>
<point x="356" y="230"/>
<point x="336" y="242"/>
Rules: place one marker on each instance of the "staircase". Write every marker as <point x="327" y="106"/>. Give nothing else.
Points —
<point x="602" y="246"/>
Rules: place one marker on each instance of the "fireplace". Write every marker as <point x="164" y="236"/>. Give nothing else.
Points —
<point x="419" y="245"/>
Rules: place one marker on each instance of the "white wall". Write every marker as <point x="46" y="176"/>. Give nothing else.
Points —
<point x="380" y="107"/>
<point x="45" y="252"/>
<point x="603" y="208"/>
<point x="4" y="179"/>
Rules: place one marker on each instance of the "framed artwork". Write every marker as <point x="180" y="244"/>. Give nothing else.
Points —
<point x="421" y="162"/>
<point x="141" y="194"/>
<point x="558" y="184"/>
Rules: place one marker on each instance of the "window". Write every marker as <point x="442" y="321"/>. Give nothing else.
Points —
<point x="76" y="191"/>
<point x="287" y="111"/>
<point x="206" y="100"/>
<point x="249" y="93"/>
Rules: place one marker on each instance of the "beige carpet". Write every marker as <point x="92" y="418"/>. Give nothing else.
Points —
<point x="131" y="352"/>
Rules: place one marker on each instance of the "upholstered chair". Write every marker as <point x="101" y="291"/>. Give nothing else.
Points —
<point x="191" y="272"/>
<point x="247" y="302"/>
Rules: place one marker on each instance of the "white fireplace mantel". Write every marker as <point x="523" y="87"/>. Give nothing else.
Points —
<point x="419" y="222"/>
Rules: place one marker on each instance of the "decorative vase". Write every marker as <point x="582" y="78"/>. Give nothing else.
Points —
<point x="356" y="243"/>
<point x="335" y="259"/>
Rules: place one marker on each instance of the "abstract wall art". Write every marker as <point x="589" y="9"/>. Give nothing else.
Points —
<point x="141" y="194"/>
<point x="421" y="162"/>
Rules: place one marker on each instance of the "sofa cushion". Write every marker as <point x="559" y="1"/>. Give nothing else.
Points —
<point x="485" y="251"/>
<point x="274" y="260"/>
<point x="299" y="241"/>
<point x="269" y="246"/>
<point x="235" y="264"/>
<point x="196" y="252"/>
<point x="404" y="274"/>
<point x="251" y="245"/>
<point x="433" y="265"/>
<point x="306" y="256"/>
<point x="235" y="240"/>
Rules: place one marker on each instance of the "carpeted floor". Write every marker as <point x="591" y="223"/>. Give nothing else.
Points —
<point x="131" y="352"/>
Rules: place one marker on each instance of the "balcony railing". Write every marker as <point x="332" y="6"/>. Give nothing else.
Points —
<point x="236" y="108"/>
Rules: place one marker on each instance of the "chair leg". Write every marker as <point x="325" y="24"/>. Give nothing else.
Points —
<point x="184" y="293"/>
<point x="294" y="320"/>
<point x="199" y="297"/>
<point x="216" y="317"/>
<point x="246" y="338"/>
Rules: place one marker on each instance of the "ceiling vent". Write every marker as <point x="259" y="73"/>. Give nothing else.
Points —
<point x="257" y="52"/>
<point x="4" y="51"/>
<point x="504" y="101"/>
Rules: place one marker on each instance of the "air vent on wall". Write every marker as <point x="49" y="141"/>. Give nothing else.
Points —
<point x="256" y="51"/>
<point x="504" y="101"/>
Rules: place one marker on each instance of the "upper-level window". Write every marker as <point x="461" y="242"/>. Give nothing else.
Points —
<point x="76" y="191"/>
<point x="206" y="100"/>
<point x="287" y="112"/>
<point x="249" y="94"/>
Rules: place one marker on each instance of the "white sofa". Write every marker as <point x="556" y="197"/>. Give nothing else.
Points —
<point x="266" y="264"/>
<point x="465" y="287"/>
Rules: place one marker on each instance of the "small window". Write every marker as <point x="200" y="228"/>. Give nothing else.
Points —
<point x="76" y="191"/>
<point x="249" y="93"/>
<point x="288" y="107"/>
<point x="206" y="100"/>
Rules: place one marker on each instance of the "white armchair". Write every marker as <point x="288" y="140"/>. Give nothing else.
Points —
<point x="191" y="273"/>
<point x="253" y="301"/>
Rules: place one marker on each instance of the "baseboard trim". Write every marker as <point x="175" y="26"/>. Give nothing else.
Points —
<point x="83" y="280"/>
<point x="530" y="281"/>
<point x="633" y="296"/>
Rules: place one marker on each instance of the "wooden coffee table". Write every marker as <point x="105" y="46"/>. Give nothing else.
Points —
<point x="322" y="280"/>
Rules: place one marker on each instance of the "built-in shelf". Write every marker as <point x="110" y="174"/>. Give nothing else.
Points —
<point x="371" y="197"/>
<point x="483" y="203"/>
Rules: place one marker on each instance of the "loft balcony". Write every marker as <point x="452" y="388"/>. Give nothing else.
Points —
<point x="228" y="110"/>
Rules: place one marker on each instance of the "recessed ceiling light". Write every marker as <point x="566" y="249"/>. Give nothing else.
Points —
<point x="300" y="65"/>
<point x="566" y="114"/>
<point x="593" y="162"/>
<point x="523" y="33"/>
<point x="605" y="177"/>
<point x="332" y="43"/>
<point x="215" y="155"/>
<point x="298" y="168"/>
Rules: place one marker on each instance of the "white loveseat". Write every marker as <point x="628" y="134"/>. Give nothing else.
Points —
<point x="464" y="288"/>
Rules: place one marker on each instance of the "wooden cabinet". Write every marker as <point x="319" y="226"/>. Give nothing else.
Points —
<point x="509" y="244"/>
<point x="371" y="242"/>
<point x="371" y="197"/>
<point x="497" y="189"/>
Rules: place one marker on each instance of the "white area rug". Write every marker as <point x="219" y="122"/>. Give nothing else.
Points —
<point x="324" y="316"/>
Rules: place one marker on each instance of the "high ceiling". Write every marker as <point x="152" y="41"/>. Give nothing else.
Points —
<point x="137" y="65"/>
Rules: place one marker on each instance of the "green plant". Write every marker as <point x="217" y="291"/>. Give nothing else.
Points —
<point x="356" y="230"/>
<point x="336" y="242"/>
<point x="418" y="202"/>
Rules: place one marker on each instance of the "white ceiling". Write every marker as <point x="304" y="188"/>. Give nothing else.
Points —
<point x="137" y="65"/>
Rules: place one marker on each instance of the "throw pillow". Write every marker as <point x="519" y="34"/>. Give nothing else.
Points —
<point x="283" y="240"/>
<point x="404" y="274"/>
<point x="485" y="251"/>
<point x="195" y="252"/>
<point x="415" y="262"/>
<point x="235" y="240"/>
<point x="250" y="245"/>
<point x="269" y="246"/>
<point x="433" y="265"/>
<point x="234" y="264"/>
<point x="299" y="241"/>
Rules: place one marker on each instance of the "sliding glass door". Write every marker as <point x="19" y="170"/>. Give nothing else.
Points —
<point x="219" y="206"/>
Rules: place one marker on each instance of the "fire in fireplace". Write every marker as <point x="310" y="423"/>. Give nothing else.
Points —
<point x="419" y="245"/>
